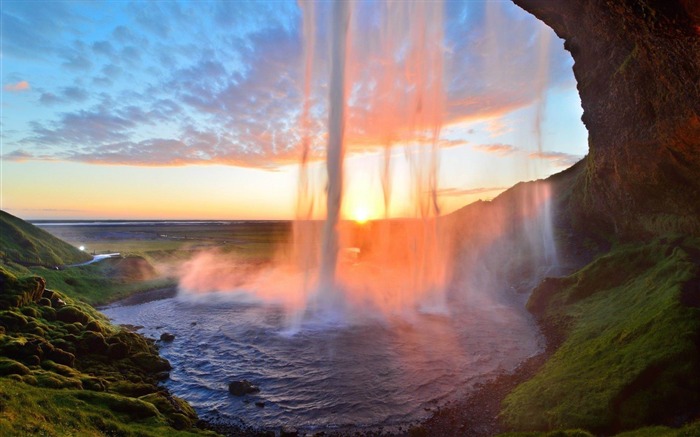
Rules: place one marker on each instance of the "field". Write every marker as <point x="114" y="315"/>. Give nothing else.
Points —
<point x="150" y="253"/>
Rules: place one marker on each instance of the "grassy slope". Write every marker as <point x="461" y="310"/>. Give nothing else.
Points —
<point x="101" y="282"/>
<point x="629" y="352"/>
<point x="25" y="244"/>
<point x="64" y="370"/>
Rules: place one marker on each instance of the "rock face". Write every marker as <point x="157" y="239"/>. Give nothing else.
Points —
<point x="637" y="64"/>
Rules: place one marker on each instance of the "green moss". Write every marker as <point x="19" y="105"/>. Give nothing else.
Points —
<point x="630" y="354"/>
<point x="28" y="410"/>
<point x="60" y="374"/>
<point x="12" y="367"/>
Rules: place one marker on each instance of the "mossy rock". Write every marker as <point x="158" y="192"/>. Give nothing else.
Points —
<point x="19" y="347"/>
<point x="60" y="369"/>
<point x="12" y="320"/>
<point x="94" y="384"/>
<point x="73" y="329"/>
<point x="63" y="344"/>
<point x="72" y="314"/>
<point x="150" y="362"/>
<point x="19" y="291"/>
<point x="92" y="343"/>
<point x="54" y="380"/>
<point x="61" y="357"/>
<point x="118" y="350"/>
<point x="134" y="408"/>
<point x="132" y="389"/>
<point x="179" y="413"/>
<point x="12" y="367"/>
<point x="94" y="326"/>
<point x="30" y="311"/>
<point x="47" y="312"/>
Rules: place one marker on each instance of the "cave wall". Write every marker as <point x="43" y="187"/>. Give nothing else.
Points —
<point x="637" y="64"/>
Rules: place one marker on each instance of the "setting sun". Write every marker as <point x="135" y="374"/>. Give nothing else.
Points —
<point x="361" y="214"/>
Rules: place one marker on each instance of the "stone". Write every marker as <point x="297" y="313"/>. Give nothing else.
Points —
<point x="167" y="337"/>
<point x="289" y="431"/>
<point x="242" y="387"/>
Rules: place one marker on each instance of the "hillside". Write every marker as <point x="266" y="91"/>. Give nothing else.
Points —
<point x="26" y="244"/>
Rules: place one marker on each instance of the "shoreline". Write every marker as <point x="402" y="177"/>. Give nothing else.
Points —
<point x="141" y="297"/>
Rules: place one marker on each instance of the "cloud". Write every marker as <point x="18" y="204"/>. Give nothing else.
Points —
<point x="455" y="192"/>
<point x="222" y="83"/>
<point x="446" y="144"/>
<point x="17" y="87"/>
<point x="18" y="156"/>
<point x="498" y="149"/>
<point x="559" y="159"/>
<point x="70" y="94"/>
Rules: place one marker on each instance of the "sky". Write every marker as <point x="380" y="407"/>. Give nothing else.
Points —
<point x="195" y="110"/>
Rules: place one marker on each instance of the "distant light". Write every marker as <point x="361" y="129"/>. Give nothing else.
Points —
<point x="82" y="248"/>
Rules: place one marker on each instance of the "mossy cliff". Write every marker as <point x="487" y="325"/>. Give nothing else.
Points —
<point x="64" y="370"/>
<point x="626" y="330"/>
<point x="637" y="65"/>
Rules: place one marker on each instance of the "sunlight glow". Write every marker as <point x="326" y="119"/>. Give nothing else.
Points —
<point x="361" y="214"/>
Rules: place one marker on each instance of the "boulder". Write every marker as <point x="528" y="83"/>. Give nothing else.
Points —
<point x="242" y="387"/>
<point x="167" y="337"/>
<point x="71" y="314"/>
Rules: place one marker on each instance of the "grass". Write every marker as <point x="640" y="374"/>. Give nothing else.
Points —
<point x="629" y="355"/>
<point x="26" y="244"/>
<point x="26" y="410"/>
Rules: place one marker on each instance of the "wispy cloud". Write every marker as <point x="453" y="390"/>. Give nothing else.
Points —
<point x="17" y="87"/>
<point x="498" y="149"/>
<point x="560" y="159"/>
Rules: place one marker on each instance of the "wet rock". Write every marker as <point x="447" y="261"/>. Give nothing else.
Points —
<point x="289" y="431"/>
<point x="260" y="404"/>
<point x="167" y="337"/>
<point x="242" y="387"/>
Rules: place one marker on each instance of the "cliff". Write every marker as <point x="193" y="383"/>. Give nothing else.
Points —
<point x="637" y="64"/>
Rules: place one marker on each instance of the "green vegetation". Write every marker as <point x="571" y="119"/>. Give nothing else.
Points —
<point x="25" y="244"/>
<point x="629" y="328"/>
<point x="104" y="281"/>
<point x="64" y="370"/>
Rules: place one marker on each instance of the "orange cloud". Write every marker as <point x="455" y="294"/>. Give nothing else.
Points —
<point x="17" y="87"/>
<point x="498" y="149"/>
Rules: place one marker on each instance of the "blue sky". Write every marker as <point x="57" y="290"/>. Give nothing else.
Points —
<point x="209" y="94"/>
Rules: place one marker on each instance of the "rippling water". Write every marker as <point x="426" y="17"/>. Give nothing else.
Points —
<point x="366" y="372"/>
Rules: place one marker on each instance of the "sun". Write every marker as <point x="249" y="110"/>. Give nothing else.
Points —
<point x="361" y="214"/>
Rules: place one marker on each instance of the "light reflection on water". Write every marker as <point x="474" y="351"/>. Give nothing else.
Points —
<point x="368" y="372"/>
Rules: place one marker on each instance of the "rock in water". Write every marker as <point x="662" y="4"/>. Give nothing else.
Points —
<point x="166" y="336"/>
<point x="242" y="387"/>
<point x="288" y="431"/>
